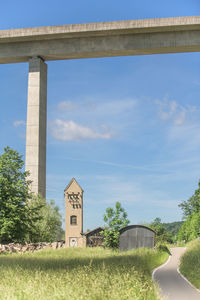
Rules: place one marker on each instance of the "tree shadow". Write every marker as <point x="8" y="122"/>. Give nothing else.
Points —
<point x="111" y="263"/>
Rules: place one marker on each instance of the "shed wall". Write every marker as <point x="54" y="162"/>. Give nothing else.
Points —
<point x="94" y="238"/>
<point x="135" y="238"/>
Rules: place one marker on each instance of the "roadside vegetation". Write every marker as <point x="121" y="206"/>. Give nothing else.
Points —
<point x="74" y="273"/>
<point x="190" y="232"/>
<point x="190" y="263"/>
<point x="190" y="229"/>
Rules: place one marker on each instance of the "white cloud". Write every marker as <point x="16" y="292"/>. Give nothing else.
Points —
<point x="173" y="111"/>
<point x="119" y="114"/>
<point x="71" y="131"/>
<point x="165" y="109"/>
<point x="19" y="123"/>
<point x="180" y="117"/>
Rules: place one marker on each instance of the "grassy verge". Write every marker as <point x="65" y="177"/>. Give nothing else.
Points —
<point x="190" y="263"/>
<point x="76" y="274"/>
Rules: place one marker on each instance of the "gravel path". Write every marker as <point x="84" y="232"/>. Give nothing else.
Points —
<point x="173" y="286"/>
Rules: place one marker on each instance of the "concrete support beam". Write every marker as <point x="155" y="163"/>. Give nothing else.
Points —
<point x="108" y="39"/>
<point x="36" y="125"/>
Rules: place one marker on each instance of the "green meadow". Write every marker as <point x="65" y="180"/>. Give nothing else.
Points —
<point x="190" y="263"/>
<point x="74" y="273"/>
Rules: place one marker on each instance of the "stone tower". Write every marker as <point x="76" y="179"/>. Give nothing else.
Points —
<point x="74" y="215"/>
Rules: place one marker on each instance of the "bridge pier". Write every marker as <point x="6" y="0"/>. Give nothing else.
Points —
<point x="36" y="125"/>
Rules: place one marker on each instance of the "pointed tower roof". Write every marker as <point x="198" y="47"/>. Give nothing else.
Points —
<point x="73" y="180"/>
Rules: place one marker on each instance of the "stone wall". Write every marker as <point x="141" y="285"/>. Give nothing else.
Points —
<point x="20" y="248"/>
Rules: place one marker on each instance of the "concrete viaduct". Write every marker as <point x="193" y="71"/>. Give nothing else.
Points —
<point x="107" y="39"/>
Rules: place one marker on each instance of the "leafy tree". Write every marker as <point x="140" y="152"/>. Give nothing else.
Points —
<point x="191" y="213"/>
<point x="14" y="194"/>
<point x="47" y="225"/>
<point x="115" y="219"/>
<point x="192" y="205"/>
<point x="161" y="233"/>
<point x="173" y="229"/>
<point x="190" y="229"/>
<point x="23" y="215"/>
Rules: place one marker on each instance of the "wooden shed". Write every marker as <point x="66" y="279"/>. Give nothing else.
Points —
<point x="94" y="238"/>
<point x="136" y="236"/>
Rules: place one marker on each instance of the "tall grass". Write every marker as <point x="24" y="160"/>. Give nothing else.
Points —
<point x="75" y="274"/>
<point x="190" y="263"/>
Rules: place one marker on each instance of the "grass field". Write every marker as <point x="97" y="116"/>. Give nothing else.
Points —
<point x="91" y="273"/>
<point x="190" y="263"/>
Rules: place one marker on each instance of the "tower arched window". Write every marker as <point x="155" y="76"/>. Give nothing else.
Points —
<point x="73" y="220"/>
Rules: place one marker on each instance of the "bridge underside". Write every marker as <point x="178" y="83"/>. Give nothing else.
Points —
<point x="108" y="46"/>
<point x="108" y="39"/>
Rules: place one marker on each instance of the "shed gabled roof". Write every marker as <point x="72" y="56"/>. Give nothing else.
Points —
<point x="94" y="230"/>
<point x="73" y="180"/>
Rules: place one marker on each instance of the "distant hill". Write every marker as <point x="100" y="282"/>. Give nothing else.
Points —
<point x="173" y="227"/>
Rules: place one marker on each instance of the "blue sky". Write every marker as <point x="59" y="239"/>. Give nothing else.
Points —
<point x="127" y="128"/>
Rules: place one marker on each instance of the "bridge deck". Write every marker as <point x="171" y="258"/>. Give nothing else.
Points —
<point x="119" y="38"/>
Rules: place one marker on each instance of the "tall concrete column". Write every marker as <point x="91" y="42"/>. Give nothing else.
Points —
<point x="36" y="125"/>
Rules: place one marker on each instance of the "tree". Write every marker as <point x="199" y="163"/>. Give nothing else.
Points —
<point x="14" y="194"/>
<point x="47" y="225"/>
<point x="115" y="220"/>
<point x="161" y="233"/>
<point x="173" y="227"/>
<point x="192" y="205"/>
<point x="190" y="229"/>
<point x="24" y="217"/>
<point x="191" y="213"/>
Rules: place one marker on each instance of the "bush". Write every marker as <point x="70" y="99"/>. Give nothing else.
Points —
<point x="163" y="248"/>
